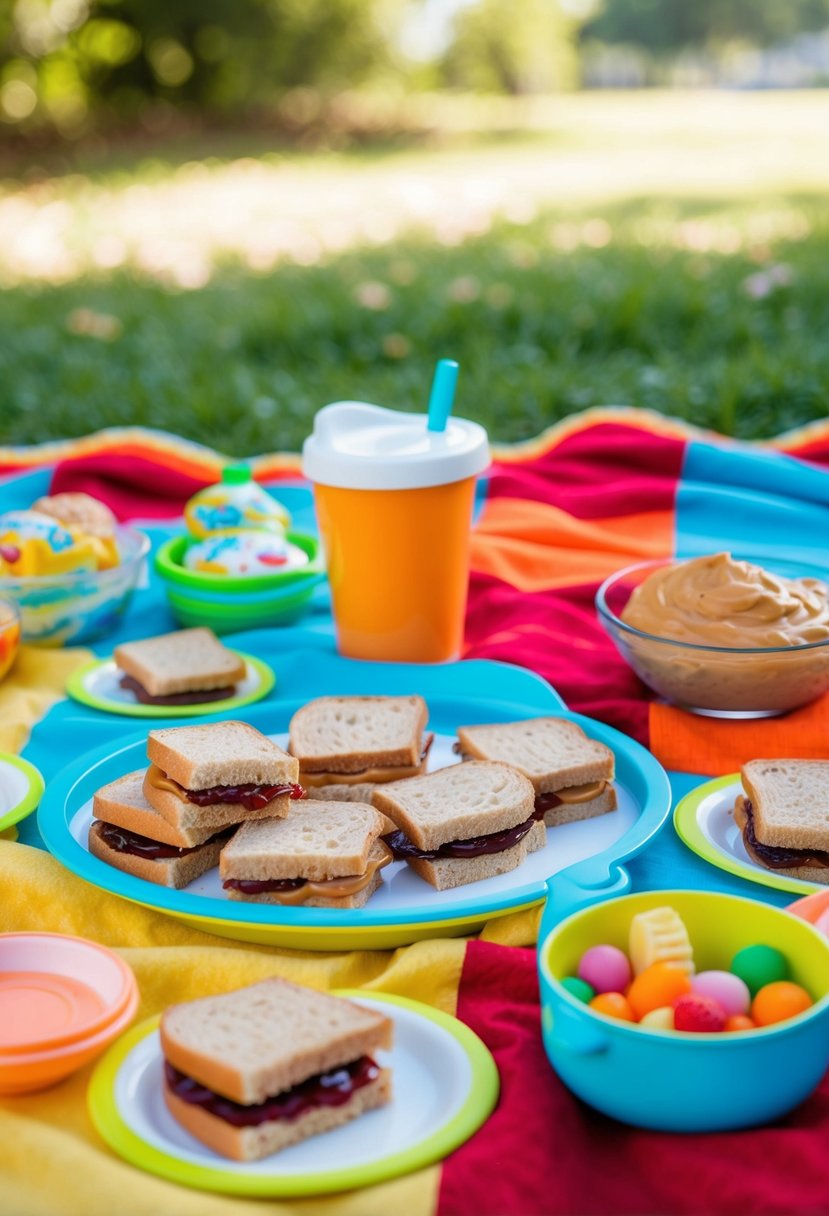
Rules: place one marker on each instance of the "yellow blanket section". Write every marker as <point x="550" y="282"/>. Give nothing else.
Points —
<point x="34" y="683"/>
<point x="51" y="1159"/>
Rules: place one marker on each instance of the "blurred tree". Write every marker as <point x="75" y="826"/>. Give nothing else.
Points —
<point x="65" y="61"/>
<point x="507" y="47"/>
<point x="670" y="25"/>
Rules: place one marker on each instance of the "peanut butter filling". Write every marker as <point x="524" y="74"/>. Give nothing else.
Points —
<point x="334" y="888"/>
<point x="581" y="793"/>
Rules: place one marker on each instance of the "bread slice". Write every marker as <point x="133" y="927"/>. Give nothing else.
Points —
<point x="175" y="872"/>
<point x="220" y="753"/>
<point x="123" y="803"/>
<point x="350" y="734"/>
<point x="185" y="815"/>
<point x="359" y="792"/>
<point x="316" y="841"/>
<point x="187" y="661"/>
<point x="457" y="803"/>
<point x="253" y="1143"/>
<point x="790" y="801"/>
<point x="574" y="812"/>
<point x="447" y="872"/>
<point x="553" y="753"/>
<point x="808" y="873"/>
<point x="258" y="1041"/>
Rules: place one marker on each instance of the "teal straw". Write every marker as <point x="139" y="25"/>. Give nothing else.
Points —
<point x="442" y="394"/>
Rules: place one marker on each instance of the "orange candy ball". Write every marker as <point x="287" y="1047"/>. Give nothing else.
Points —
<point x="657" y="986"/>
<point x="739" y="1021"/>
<point x="613" y="1005"/>
<point x="778" y="1001"/>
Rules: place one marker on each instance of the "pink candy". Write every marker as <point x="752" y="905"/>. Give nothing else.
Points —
<point x="605" y="968"/>
<point x="728" y="990"/>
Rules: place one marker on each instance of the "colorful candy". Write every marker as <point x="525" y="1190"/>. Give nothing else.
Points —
<point x="657" y="986"/>
<point x="778" y="1001"/>
<point x="729" y="991"/>
<point x="739" y="1021"/>
<point x="605" y="968"/>
<point x="578" y="988"/>
<point x="759" y="965"/>
<point x="659" y="1019"/>
<point x="698" y="1014"/>
<point x="613" y="1005"/>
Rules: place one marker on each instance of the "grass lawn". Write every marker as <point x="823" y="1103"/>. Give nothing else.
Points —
<point x="671" y="256"/>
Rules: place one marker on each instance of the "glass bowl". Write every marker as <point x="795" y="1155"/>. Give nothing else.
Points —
<point x="75" y="608"/>
<point x="719" y="681"/>
<point x="9" y="634"/>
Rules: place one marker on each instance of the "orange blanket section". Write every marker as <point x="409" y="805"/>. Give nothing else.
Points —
<point x="687" y="743"/>
<point x="534" y="546"/>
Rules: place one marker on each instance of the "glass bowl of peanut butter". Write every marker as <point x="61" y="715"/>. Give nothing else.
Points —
<point x="721" y="635"/>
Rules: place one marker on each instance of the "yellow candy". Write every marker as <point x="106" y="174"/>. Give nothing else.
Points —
<point x="659" y="1019"/>
<point x="659" y="936"/>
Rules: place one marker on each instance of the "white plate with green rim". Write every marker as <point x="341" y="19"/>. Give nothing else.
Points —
<point x="444" y="1082"/>
<point x="21" y="788"/>
<point x="97" y="684"/>
<point x="704" y="820"/>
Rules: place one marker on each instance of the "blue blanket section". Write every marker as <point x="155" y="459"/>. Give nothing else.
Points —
<point x="754" y="503"/>
<point x="728" y="495"/>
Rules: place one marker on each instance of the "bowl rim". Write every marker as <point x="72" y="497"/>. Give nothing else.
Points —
<point x="609" y="617"/>
<point x="716" y="1040"/>
<point x="168" y="567"/>
<point x="9" y="584"/>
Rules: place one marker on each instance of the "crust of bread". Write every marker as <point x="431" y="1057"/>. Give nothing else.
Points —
<point x="505" y="742"/>
<point x="406" y="753"/>
<point x="346" y="902"/>
<point x="791" y="825"/>
<point x="174" y="872"/>
<point x="448" y="872"/>
<point x="457" y="802"/>
<point x="260" y="1040"/>
<point x="253" y="1143"/>
<point x="186" y="816"/>
<point x="819" y="874"/>
<point x="573" y="812"/>
<point x="199" y="661"/>
<point x="220" y="753"/>
<point x="124" y="804"/>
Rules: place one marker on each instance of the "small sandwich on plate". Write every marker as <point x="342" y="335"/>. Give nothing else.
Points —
<point x="324" y="855"/>
<point x="784" y="816"/>
<point x="462" y="823"/>
<point x="229" y="770"/>
<point x="130" y="834"/>
<point x="571" y="773"/>
<point x="255" y="1070"/>
<point x="358" y="741"/>
<point x="189" y="667"/>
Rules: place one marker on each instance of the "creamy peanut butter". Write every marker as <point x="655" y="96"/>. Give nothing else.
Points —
<point x="574" y="794"/>
<point x="755" y="622"/>
<point x="717" y="601"/>
<point x="159" y="781"/>
<point x="337" y="888"/>
<point x="375" y="776"/>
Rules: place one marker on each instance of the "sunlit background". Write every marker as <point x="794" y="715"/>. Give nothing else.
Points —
<point x="218" y="215"/>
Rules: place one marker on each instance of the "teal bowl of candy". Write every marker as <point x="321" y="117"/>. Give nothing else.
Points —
<point x="677" y="1080"/>
<point x="227" y="603"/>
<point x="78" y="606"/>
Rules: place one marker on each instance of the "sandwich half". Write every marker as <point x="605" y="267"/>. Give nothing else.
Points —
<point x="462" y="823"/>
<point x="229" y="770"/>
<point x="359" y="740"/>
<point x="324" y="855"/>
<point x="255" y="1070"/>
<point x="571" y="773"/>
<point x="131" y="835"/>
<point x="183" y="668"/>
<point x="784" y="816"/>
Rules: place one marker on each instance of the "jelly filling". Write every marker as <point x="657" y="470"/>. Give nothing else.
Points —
<point x="332" y="1088"/>
<point x="251" y="797"/>
<point x="120" y="840"/>
<point x="774" y="856"/>
<point x="475" y="846"/>
<point x="546" y="802"/>
<point x="194" y="697"/>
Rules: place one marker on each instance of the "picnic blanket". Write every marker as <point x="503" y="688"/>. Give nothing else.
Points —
<point x="555" y="516"/>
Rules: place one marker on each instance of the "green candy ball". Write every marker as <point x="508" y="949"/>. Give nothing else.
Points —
<point x="759" y="965"/>
<point x="580" y="989"/>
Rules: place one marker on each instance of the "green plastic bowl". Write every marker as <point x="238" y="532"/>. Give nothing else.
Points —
<point x="226" y="603"/>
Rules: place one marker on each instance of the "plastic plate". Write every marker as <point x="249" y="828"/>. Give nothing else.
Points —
<point x="21" y="788"/>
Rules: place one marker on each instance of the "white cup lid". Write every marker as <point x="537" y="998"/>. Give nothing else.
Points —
<point x="365" y="447"/>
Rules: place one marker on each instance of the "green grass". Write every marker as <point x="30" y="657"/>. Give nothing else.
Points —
<point x="603" y="295"/>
